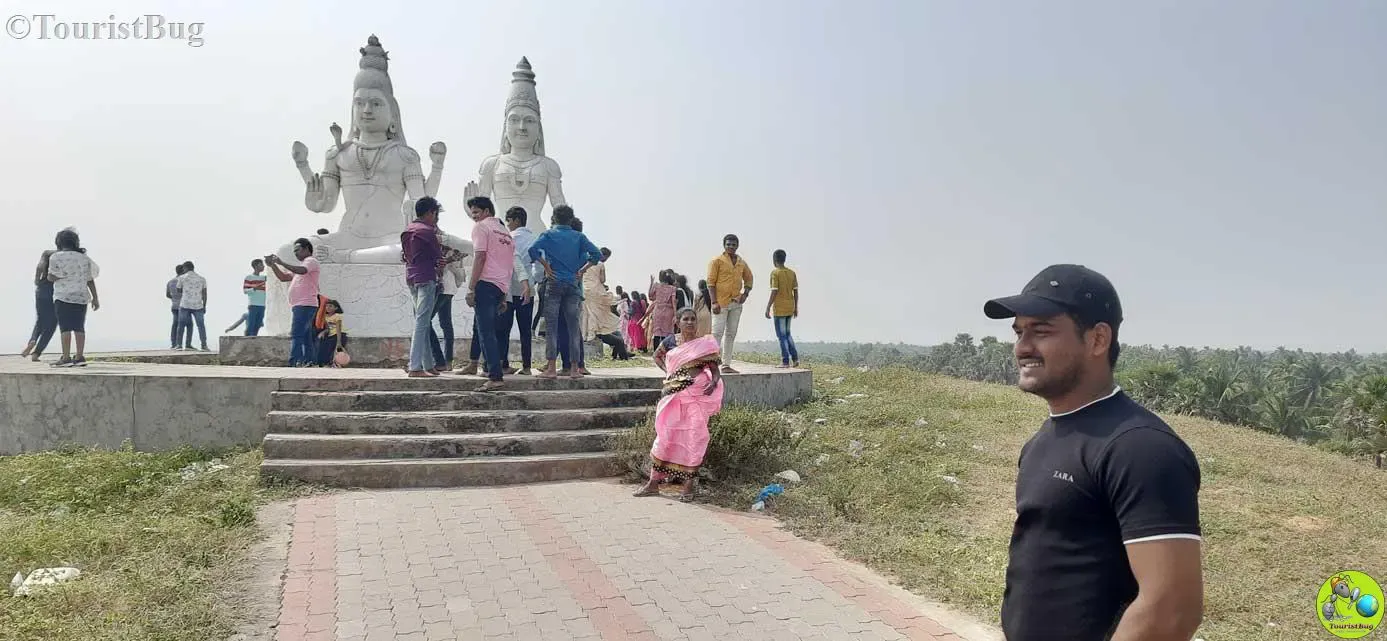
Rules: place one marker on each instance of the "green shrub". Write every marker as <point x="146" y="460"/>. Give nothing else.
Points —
<point x="745" y="445"/>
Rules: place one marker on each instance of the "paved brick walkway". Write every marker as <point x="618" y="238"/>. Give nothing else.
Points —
<point x="580" y="560"/>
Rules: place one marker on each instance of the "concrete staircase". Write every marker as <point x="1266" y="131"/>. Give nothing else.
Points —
<point x="392" y="433"/>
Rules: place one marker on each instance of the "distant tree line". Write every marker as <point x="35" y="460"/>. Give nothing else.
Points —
<point x="1335" y="401"/>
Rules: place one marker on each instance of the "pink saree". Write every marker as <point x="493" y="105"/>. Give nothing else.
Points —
<point x="682" y="415"/>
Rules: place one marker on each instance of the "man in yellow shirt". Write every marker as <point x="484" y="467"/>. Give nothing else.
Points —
<point x="782" y="306"/>
<point x="729" y="283"/>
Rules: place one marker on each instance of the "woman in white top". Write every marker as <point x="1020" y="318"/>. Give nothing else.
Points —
<point x="73" y="275"/>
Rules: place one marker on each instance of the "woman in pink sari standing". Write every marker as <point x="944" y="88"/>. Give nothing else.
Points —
<point x="691" y="395"/>
<point x="662" y="308"/>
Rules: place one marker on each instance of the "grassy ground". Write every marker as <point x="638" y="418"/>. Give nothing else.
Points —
<point x="159" y="554"/>
<point x="927" y="495"/>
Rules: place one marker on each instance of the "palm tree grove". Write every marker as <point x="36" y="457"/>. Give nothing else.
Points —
<point x="1334" y="401"/>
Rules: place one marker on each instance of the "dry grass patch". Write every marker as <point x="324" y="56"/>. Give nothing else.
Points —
<point x="159" y="554"/>
<point x="927" y="495"/>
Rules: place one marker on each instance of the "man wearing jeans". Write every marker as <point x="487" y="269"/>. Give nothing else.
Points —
<point x="729" y="283"/>
<point x="489" y="284"/>
<point x="564" y="254"/>
<point x="254" y="288"/>
<point x="422" y="253"/>
<point x="522" y="303"/>
<point x="192" y="305"/>
<point x="783" y="306"/>
<point x="174" y="294"/>
<point x="303" y="300"/>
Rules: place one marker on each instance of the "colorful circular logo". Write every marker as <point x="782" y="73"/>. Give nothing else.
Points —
<point x="1349" y="605"/>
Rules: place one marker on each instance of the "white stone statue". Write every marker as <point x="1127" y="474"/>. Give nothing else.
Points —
<point x="378" y="177"/>
<point x="521" y="174"/>
<point x="375" y="171"/>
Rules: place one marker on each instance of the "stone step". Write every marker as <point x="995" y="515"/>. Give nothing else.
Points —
<point x="455" y="383"/>
<point x="444" y="472"/>
<point x="454" y="422"/>
<point x="397" y="401"/>
<point x="421" y="446"/>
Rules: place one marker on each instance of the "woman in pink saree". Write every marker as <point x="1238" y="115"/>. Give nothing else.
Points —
<point x="691" y="395"/>
<point x="662" y="316"/>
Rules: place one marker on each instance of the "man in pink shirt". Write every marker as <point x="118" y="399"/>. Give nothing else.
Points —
<point x="303" y="299"/>
<point x="489" y="284"/>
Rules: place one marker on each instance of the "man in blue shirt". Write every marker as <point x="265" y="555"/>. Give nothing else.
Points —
<point x="563" y="254"/>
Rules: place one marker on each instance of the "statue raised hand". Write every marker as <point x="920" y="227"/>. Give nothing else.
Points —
<point x="472" y="190"/>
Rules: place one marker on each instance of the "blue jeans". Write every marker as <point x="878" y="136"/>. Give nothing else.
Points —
<point x="255" y="319"/>
<point x="443" y="309"/>
<point x="522" y="313"/>
<point x="561" y="318"/>
<point x="787" y="344"/>
<point x="302" y="344"/>
<point x="425" y="302"/>
<point x="186" y="317"/>
<point x="489" y="299"/>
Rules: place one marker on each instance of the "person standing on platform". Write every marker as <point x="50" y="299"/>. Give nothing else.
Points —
<point x="303" y="300"/>
<point x="522" y="307"/>
<point x="563" y="253"/>
<point x="423" y="253"/>
<point x="47" y="320"/>
<point x="192" y="305"/>
<point x="174" y="294"/>
<point x="729" y="283"/>
<point x="254" y="288"/>
<point x="782" y="306"/>
<point x="489" y="283"/>
<point x="73" y="274"/>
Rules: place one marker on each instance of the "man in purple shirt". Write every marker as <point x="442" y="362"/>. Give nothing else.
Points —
<point x="422" y="254"/>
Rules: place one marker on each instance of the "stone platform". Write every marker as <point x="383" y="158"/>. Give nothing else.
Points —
<point x="366" y="351"/>
<point x="164" y="406"/>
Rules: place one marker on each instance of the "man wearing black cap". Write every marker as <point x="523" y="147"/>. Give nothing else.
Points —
<point x="1106" y="544"/>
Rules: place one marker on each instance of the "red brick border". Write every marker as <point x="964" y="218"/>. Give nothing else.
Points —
<point x="819" y="562"/>
<point x="610" y="613"/>
<point x="308" y="605"/>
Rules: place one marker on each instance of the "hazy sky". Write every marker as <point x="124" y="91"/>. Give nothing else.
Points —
<point x="1224" y="163"/>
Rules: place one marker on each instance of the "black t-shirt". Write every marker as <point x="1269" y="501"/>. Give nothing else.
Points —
<point x="1091" y="481"/>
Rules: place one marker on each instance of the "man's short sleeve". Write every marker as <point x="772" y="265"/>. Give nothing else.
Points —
<point x="479" y="238"/>
<point x="310" y="264"/>
<point x="775" y="280"/>
<point x="1151" y="479"/>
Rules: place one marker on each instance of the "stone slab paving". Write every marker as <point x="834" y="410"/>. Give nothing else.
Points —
<point x="577" y="560"/>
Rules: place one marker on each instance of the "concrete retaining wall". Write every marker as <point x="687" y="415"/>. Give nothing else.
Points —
<point x="45" y="411"/>
<point x="203" y="407"/>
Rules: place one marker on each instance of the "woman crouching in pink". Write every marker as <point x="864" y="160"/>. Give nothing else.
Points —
<point x="691" y="395"/>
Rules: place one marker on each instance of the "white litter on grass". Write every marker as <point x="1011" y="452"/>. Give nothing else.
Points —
<point x="821" y="459"/>
<point x="855" y="396"/>
<point x="855" y="449"/>
<point x="865" y="368"/>
<point x="820" y="421"/>
<point x="950" y="479"/>
<point x="789" y="475"/>
<point x="194" y="470"/>
<point x="838" y="381"/>
<point x="40" y="578"/>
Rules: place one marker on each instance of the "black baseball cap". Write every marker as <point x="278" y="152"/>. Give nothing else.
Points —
<point x="1060" y="289"/>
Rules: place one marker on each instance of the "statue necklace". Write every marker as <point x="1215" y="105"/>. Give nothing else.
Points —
<point x="368" y="168"/>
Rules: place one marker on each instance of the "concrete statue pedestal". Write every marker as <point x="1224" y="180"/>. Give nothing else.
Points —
<point x="374" y="298"/>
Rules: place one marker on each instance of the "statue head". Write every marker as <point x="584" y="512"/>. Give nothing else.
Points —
<point x="374" y="108"/>
<point x="522" y="128"/>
